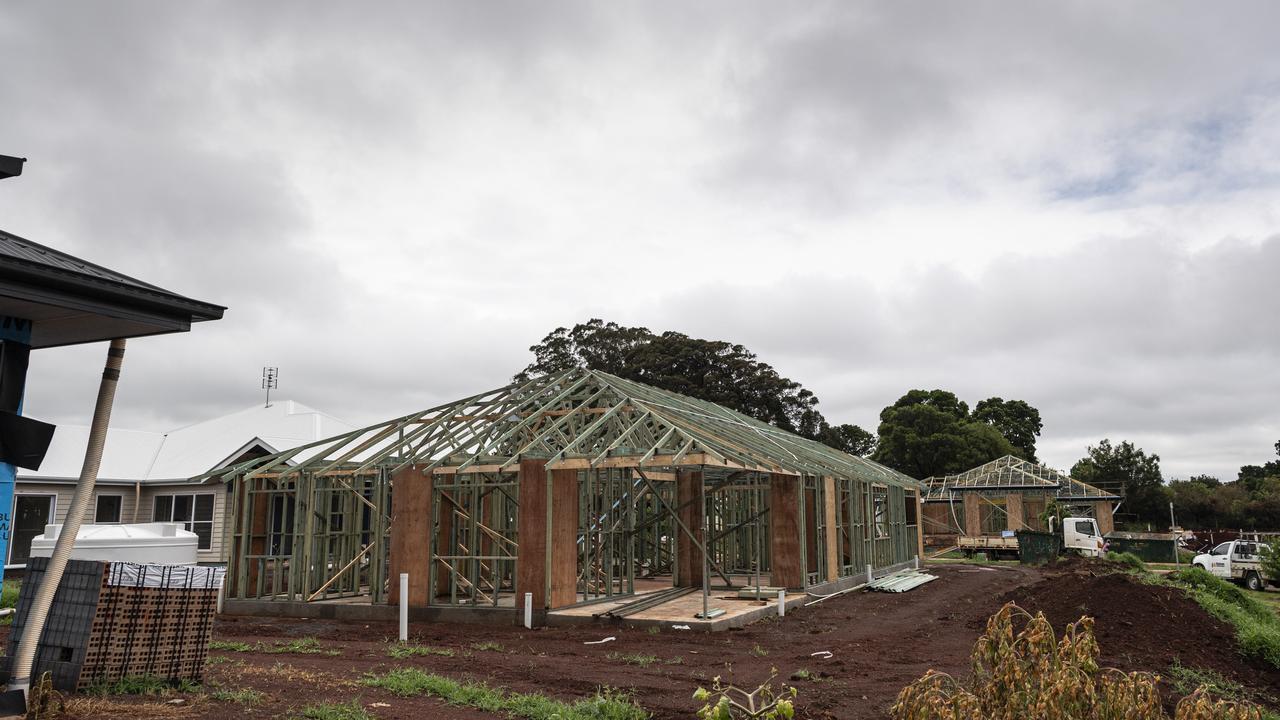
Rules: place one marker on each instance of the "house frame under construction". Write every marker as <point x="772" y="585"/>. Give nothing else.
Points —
<point x="1007" y="494"/>
<point x="581" y="489"/>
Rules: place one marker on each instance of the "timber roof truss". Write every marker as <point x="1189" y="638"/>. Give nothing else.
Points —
<point x="1014" y="473"/>
<point x="583" y="419"/>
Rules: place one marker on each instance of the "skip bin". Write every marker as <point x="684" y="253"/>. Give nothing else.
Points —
<point x="1038" y="548"/>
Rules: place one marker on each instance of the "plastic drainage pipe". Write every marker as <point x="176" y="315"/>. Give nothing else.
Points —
<point x="404" y="607"/>
<point x="39" y="613"/>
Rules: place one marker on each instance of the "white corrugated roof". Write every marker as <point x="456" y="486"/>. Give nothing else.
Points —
<point x="189" y="451"/>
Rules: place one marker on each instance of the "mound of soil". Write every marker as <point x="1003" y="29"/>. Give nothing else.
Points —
<point x="1144" y="627"/>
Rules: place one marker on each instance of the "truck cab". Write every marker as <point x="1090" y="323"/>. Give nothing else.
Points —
<point x="1081" y="534"/>
<point x="1238" y="561"/>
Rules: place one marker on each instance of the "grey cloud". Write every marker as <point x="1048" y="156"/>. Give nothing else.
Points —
<point x="849" y="97"/>
<point x="197" y="146"/>
<point x="1136" y="339"/>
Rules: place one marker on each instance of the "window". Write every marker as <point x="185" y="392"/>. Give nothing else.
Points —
<point x="194" y="511"/>
<point x="1220" y="550"/>
<point x="1084" y="527"/>
<point x="108" y="509"/>
<point x="880" y="510"/>
<point x="911" y="500"/>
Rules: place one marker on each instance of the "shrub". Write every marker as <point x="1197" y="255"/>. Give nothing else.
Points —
<point x="9" y="593"/>
<point x="1127" y="559"/>
<point x="1027" y="672"/>
<point x="1270" y="560"/>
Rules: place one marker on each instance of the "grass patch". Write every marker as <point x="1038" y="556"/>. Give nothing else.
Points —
<point x="223" y="660"/>
<point x="337" y="711"/>
<point x="759" y="651"/>
<point x="488" y="645"/>
<point x="1256" y="623"/>
<point x="605" y="705"/>
<point x="400" y="651"/>
<point x="229" y="646"/>
<point x="1186" y="680"/>
<point x="300" y="646"/>
<point x="633" y="658"/>
<point x="244" y="696"/>
<point x="142" y="685"/>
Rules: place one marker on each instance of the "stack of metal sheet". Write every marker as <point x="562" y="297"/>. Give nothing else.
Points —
<point x="901" y="581"/>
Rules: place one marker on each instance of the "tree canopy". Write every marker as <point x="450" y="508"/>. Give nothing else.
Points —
<point x="931" y="432"/>
<point x="1016" y="420"/>
<point x="713" y="370"/>
<point x="1250" y="502"/>
<point x="1126" y="470"/>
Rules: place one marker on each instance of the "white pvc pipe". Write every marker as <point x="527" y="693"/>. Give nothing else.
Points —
<point x="782" y="603"/>
<point x="25" y="657"/>
<point x="404" y="607"/>
<point x="528" y="610"/>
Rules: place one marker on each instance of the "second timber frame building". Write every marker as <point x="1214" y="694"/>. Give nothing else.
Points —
<point x="579" y="488"/>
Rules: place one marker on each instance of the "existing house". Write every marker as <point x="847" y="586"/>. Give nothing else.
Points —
<point x="589" y="492"/>
<point x="147" y="476"/>
<point x="1007" y="494"/>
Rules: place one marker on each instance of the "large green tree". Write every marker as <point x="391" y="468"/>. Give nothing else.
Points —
<point x="1015" y="419"/>
<point x="1129" y="471"/>
<point x="1252" y="476"/>
<point x="712" y="370"/>
<point x="931" y="432"/>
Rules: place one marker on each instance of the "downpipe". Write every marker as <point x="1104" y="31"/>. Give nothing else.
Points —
<point x="39" y="613"/>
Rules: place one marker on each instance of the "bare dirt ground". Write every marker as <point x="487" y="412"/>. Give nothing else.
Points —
<point x="879" y="643"/>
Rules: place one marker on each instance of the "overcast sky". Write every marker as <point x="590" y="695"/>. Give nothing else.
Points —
<point x="1070" y="204"/>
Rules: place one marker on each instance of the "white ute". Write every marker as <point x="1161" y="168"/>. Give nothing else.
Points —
<point x="1239" y="561"/>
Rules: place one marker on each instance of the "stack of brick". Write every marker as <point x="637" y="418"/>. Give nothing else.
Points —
<point x="115" y="620"/>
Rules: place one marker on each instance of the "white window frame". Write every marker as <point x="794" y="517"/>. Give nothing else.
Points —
<point x="13" y="518"/>
<point x="189" y="525"/>
<point x="97" y="496"/>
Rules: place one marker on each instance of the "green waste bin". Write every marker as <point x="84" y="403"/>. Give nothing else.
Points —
<point x="1148" y="549"/>
<point x="1038" y="548"/>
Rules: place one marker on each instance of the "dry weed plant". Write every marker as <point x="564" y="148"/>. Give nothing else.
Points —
<point x="1022" y="671"/>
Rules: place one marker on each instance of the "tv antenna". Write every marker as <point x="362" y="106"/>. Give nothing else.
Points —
<point x="270" y="381"/>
